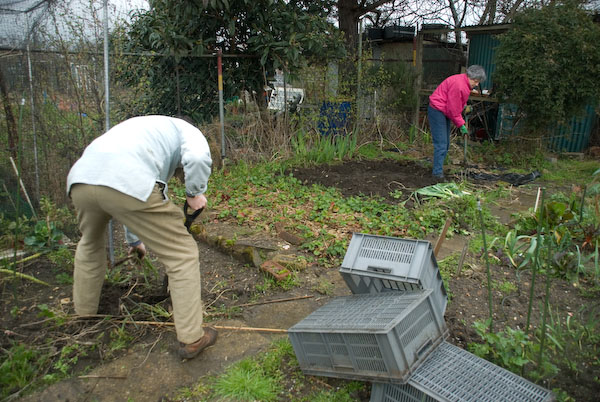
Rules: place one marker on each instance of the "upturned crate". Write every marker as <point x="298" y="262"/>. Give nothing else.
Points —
<point x="375" y="264"/>
<point x="453" y="374"/>
<point x="371" y="337"/>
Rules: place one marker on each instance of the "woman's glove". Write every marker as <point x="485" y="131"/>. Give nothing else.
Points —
<point x="463" y="129"/>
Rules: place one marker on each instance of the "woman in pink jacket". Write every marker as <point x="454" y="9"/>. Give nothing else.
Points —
<point x="446" y="104"/>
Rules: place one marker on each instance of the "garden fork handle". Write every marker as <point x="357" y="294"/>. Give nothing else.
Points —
<point x="189" y="218"/>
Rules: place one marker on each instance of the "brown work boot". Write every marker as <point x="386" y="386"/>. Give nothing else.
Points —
<point x="192" y="350"/>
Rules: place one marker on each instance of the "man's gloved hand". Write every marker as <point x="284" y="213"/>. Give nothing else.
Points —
<point x="463" y="129"/>
<point x="139" y="249"/>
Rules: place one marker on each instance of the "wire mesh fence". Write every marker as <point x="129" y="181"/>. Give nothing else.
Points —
<point x="52" y="81"/>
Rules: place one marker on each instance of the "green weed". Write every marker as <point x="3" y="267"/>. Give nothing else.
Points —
<point x="119" y="340"/>
<point x="69" y="355"/>
<point x="574" y="340"/>
<point x="247" y="381"/>
<point x="344" y="393"/>
<point x="64" y="279"/>
<point x="505" y="287"/>
<point x="18" y="368"/>
<point x="324" y="287"/>
<point x="63" y="258"/>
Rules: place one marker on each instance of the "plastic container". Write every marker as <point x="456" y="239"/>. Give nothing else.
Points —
<point x="375" y="264"/>
<point x="398" y="393"/>
<point x="371" y="337"/>
<point x="453" y="374"/>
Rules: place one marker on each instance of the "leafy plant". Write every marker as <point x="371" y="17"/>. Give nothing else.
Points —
<point x="440" y="190"/>
<point x="275" y="34"/>
<point x="45" y="236"/>
<point x="557" y="40"/>
<point x="509" y="348"/>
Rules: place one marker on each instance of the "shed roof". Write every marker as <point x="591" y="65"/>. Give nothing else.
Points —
<point x="473" y="29"/>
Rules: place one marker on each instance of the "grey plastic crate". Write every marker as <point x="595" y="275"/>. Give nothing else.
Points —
<point x="453" y="374"/>
<point x="398" y="393"/>
<point x="380" y="337"/>
<point x="375" y="264"/>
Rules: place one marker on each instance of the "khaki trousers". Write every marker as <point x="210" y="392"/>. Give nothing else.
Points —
<point x="159" y="224"/>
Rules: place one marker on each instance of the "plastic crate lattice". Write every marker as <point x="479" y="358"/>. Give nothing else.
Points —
<point x="376" y="264"/>
<point x="369" y="336"/>
<point x="453" y="374"/>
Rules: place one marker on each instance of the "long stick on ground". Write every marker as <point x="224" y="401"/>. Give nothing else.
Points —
<point x="171" y="324"/>
<point x="271" y="330"/>
<point x="487" y="264"/>
<point x="274" y="301"/>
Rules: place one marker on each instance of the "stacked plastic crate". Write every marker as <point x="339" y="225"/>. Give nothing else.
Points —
<point x="391" y="332"/>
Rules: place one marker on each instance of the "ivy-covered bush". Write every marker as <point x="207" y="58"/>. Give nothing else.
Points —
<point x="548" y="63"/>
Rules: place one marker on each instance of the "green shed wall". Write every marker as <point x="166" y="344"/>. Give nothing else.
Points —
<point x="572" y="137"/>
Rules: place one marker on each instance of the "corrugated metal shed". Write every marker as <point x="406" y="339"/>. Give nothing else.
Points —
<point x="574" y="136"/>
<point x="482" y="48"/>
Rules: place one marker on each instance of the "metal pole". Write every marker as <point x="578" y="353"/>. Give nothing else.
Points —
<point x="35" y="150"/>
<point x="419" y="75"/>
<point x="221" y="109"/>
<point x="358" y="108"/>
<point x="111" y="248"/>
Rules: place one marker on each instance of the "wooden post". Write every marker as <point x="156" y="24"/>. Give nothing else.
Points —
<point x="438" y="245"/>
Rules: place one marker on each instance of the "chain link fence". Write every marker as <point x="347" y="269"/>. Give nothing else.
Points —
<point x="52" y="87"/>
<point x="52" y="81"/>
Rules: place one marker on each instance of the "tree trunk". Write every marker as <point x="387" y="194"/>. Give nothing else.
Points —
<point x="348" y="15"/>
<point x="11" y="125"/>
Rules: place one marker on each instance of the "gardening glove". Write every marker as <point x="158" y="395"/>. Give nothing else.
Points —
<point x="463" y="129"/>
<point x="468" y="109"/>
<point x="138" y="248"/>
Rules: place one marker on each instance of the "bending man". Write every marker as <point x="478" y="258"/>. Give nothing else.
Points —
<point x="123" y="174"/>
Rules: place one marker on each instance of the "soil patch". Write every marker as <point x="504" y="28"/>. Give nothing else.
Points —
<point x="370" y="178"/>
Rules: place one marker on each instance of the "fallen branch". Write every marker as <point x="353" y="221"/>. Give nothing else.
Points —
<point x="23" y="276"/>
<point x="118" y="377"/>
<point x="272" y="330"/>
<point x="31" y="257"/>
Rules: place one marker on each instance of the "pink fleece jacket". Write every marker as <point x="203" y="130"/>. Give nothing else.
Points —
<point x="450" y="97"/>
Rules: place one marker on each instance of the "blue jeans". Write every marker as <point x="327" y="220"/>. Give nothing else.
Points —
<point x="440" y="134"/>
